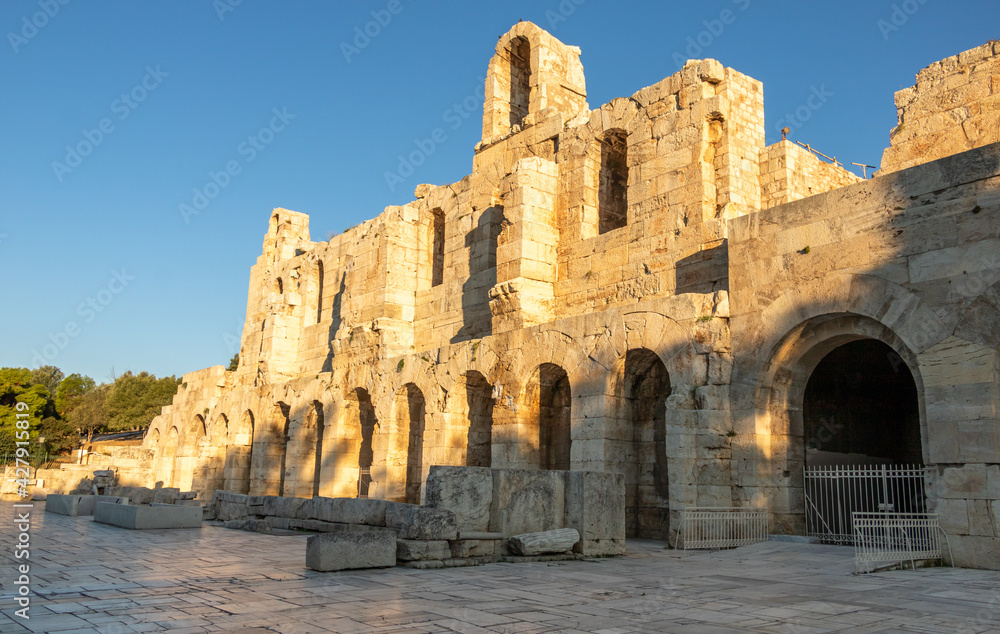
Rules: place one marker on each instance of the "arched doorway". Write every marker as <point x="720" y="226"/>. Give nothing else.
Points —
<point x="479" y="403"/>
<point x="860" y="408"/>
<point x="236" y="473"/>
<point x="548" y="400"/>
<point x="645" y="388"/>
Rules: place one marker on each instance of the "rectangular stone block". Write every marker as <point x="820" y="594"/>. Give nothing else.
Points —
<point x="148" y="517"/>
<point x="89" y="502"/>
<point x="595" y="506"/>
<point x="463" y="548"/>
<point x="465" y="491"/>
<point x="62" y="504"/>
<point x="418" y="522"/>
<point x="527" y="501"/>
<point x="351" y="550"/>
<point x="348" y="510"/>
<point x="421" y="550"/>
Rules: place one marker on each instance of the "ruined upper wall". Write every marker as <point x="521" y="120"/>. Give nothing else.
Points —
<point x="790" y="172"/>
<point x="954" y="107"/>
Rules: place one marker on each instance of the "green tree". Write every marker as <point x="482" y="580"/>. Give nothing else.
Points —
<point x="134" y="399"/>
<point x="18" y="386"/>
<point x="90" y="414"/>
<point x="71" y="390"/>
<point x="234" y="363"/>
<point x="59" y="434"/>
<point x="48" y="375"/>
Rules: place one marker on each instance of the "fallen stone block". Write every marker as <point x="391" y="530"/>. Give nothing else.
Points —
<point x="421" y="550"/>
<point x="418" y="522"/>
<point x="148" y="517"/>
<point x="166" y="495"/>
<point x="554" y="541"/>
<point x="140" y="495"/>
<point x="276" y="506"/>
<point x="348" y="510"/>
<point x="351" y="550"/>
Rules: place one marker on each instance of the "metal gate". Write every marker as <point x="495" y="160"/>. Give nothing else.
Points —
<point x="832" y="494"/>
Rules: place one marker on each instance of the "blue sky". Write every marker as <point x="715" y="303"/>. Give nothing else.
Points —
<point x="104" y="272"/>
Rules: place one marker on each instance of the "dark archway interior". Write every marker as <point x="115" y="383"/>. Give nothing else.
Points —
<point x="553" y="417"/>
<point x="366" y="412"/>
<point x="479" y="398"/>
<point x="520" y="79"/>
<point x="647" y="386"/>
<point x="861" y="407"/>
<point x="415" y="447"/>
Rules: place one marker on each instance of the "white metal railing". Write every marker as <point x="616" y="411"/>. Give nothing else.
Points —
<point x="723" y="527"/>
<point x="833" y="493"/>
<point x="893" y="538"/>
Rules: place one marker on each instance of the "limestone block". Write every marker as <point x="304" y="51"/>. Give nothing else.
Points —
<point x="351" y="550"/>
<point x="595" y="506"/>
<point x="554" y="541"/>
<point x="166" y="495"/>
<point x="254" y="526"/>
<point x="277" y="506"/>
<point x="465" y="491"/>
<point x="527" y="501"/>
<point x="416" y="522"/>
<point x="88" y="503"/>
<point x="463" y="548"/>
<point x="420" y="550"/>
<point x="972" y="551"/>
<point x="148" y="517"/>
<point x="62" y="504"/>
<point x="349" y="510"/>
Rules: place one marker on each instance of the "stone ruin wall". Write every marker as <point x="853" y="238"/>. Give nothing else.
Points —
<point x="954" y="107"/>
<point x="581" y="300"/>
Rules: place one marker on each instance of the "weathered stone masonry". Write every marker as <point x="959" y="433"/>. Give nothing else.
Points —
<point x="643" y="288"/>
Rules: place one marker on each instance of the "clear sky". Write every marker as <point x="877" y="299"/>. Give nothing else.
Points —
<point x="118" y="113"/>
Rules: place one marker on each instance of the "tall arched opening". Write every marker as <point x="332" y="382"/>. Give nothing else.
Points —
<point x="236" y="473"/>
<point x="548" y="398"/>
<point x="479" y="405"/>
<point x="645" y="388"/>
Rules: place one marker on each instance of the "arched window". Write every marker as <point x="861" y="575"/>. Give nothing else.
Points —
<point x="612" y="188"/>
<point x="520" y="79"/>
<point x="319" y="291"/>
<point x="437" y="247"/>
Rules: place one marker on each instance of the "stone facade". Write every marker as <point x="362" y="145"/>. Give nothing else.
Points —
<point x="643" y="288"/>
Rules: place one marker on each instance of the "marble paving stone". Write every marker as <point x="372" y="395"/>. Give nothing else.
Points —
<point x="92" y="578"/>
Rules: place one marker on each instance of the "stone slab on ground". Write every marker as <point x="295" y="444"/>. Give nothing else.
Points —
<point x="74" y="505"/>
<point x="329" y="552"/>
<point x="767" y="587"/>
<point x="147" y="517"/>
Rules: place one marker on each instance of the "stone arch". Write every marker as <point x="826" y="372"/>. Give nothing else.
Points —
<point x="397" y="447"/>
<point x="152" y="440"/>
<point x="474" y="396"/>
<point x="239" y="453"/>
<point x="530" y="71"/>
<point x="546" y="421"/>
<point x="637" y="441"/>
<point x="268" y="460"/>
<point x="778" y="442"/>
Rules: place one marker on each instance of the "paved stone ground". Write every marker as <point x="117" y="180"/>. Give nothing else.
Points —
<point x="95" y="578"/>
